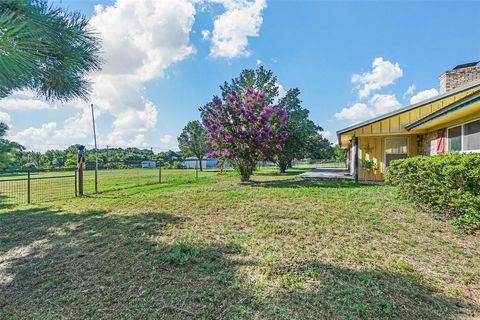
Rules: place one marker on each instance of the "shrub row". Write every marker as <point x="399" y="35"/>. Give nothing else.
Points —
<point x="444" y="184"/>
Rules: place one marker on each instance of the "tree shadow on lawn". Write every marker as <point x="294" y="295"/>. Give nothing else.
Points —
<point x="310" y="183"/>
<point x="102" y="266"/>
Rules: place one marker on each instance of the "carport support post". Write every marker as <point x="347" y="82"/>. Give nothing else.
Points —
<point x="355" y="160"/>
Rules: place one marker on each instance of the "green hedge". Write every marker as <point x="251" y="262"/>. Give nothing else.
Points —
<point x="444" y="184"/>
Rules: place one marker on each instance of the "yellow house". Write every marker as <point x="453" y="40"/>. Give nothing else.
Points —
<point x="447" y="122"/>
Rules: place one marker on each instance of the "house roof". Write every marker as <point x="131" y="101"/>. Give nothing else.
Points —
<point x="463" y="103"/>
<point x="466" y="65"/>
<point x="407" y="108"/>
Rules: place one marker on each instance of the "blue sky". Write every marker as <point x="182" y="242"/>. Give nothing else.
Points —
<point x="165" y="58"/>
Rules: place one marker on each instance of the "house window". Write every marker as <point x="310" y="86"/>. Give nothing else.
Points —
<point x="395" y="149"/>
<point x="455" y="139"/>
<point x="465" y="137"/>
<point x="471" y="136"/>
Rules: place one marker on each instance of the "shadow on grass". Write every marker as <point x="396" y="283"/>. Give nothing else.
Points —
<point x="309" y="183"/>
<point x="99" y="265"/>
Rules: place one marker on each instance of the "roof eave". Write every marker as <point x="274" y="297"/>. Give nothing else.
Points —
<point x="407" y="108"/>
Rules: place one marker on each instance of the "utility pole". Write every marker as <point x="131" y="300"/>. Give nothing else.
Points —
<point x="96" y="151"/>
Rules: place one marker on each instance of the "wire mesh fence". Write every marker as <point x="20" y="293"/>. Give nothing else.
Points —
<point x="36" y="186"/>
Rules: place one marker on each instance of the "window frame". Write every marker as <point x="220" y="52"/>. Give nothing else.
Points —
<point x="407" y="139"/>
<point x="462" y="137"/>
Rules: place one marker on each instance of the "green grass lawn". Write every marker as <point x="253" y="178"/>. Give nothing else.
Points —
<point x="212" y="248"/>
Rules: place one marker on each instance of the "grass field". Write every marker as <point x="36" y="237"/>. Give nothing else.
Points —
<point x="212" y="248"/>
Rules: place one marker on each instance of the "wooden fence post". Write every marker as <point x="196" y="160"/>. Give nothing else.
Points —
<point x="80" y="179"/>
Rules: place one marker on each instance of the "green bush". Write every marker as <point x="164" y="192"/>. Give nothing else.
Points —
<point x="444" y="184"/>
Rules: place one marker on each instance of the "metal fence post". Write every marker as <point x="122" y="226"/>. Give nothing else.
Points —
<point x="29" y="198"/>
<point x="96" y="179"/>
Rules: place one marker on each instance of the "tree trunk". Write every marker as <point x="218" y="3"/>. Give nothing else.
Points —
<point x="200" y="164"/>
<point x="284" y="164"/>
<point x="245" y="172"/>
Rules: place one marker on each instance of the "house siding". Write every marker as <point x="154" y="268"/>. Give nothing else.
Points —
<point x="373" y="148"/>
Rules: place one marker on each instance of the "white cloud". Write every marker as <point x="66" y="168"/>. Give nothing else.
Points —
<point x="326" y="134"/>
<point x="258" y="62"/>
<point x="379" y="104"/>
<point x="5" y="118"/>
<point x="355" y="113"/>
<point x="140" y="40"/>
<point x="40" y="139"/>
<point x="205" y="34"/>
<point x="241" y="19"/>
<point x="281" y="93"/>
<point x="51" y="136"/>
<point x="23" y="100"/>
<point x="424" y="95"/>
<point x="384" y="103"/>
<point x="166" y="139"/>
<point x="410" y="91"/>
<point x="383" y="73"/>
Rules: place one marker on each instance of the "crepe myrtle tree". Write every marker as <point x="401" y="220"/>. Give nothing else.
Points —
<point x="243" y="129"/>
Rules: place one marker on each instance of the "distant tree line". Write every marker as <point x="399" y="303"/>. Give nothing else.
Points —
<point x="114" y="158"/>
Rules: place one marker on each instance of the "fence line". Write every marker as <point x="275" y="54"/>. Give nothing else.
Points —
<point x="35" y="186"/>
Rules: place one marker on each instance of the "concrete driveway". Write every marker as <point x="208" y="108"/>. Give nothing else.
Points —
<point x="326" y="173"/>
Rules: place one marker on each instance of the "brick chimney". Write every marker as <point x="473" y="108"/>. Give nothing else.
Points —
<point x="460" y="76"/>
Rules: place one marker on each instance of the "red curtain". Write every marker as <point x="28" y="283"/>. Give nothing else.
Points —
<point x="441" y="141"/>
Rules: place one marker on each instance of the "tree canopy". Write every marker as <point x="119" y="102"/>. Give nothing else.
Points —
<point x="261" y="80"/>
<point x="46" y="49"/>
<point x="301" y="130"/>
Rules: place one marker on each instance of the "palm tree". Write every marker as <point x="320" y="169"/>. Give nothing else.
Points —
<point x="45" y="49"/>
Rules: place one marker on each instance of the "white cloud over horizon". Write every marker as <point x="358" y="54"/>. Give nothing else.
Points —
<point x="424" y="95"/>
<point x="384" y="73"/>
<point x="140" y="40"/>
<point x="379" y="104"/>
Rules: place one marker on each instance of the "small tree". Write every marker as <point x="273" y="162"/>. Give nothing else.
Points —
<point x="244" y="130"/>
<point x="194" y="140"/>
